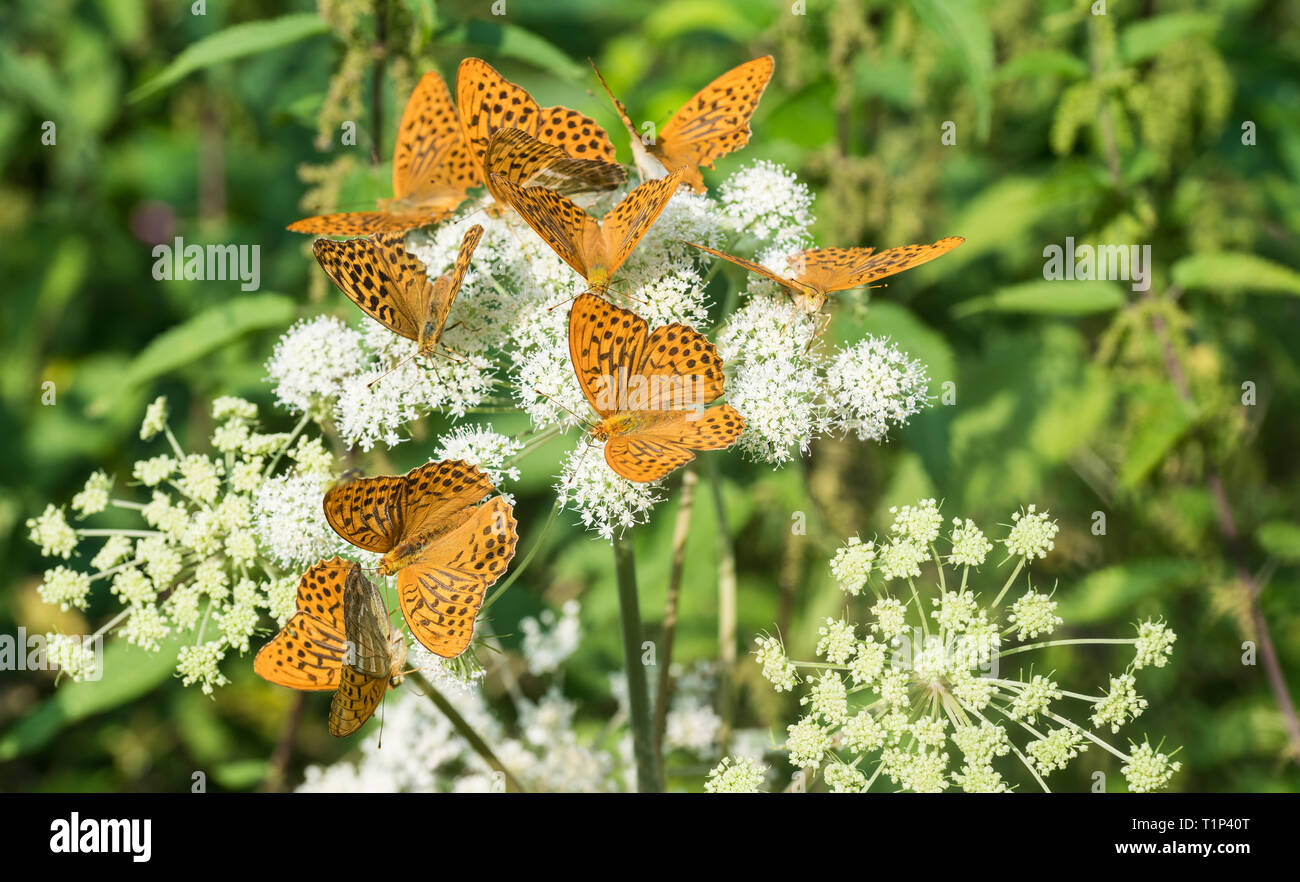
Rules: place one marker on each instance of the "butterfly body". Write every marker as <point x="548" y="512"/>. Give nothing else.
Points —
<point x="595" y="249"/>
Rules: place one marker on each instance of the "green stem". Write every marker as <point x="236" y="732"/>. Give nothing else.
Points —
<point x="466" y="730"/>
<point x="293" y="436"/>
<point x="638" y="693"/>
<point x="1020" y="565"/>
<point x="726" y="608"/>
<point x="1079" y="642"/>
<point x="681" y="532"/>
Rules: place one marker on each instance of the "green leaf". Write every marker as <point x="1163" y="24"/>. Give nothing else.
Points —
<point x="1235" y="271"/>
<point x="1280" y="539"/>
<point x="1047" y="297"/>
<point x="1114" y="591"/>
<point x="511" y="41"/>
<point x="129" y="672"/>
<point x="1144" y="39"/>
<point x="237" y="41"/>
<point x="1164" y="421"/>
<point x="200" y="336"/>
<point x="1039" y="63"/>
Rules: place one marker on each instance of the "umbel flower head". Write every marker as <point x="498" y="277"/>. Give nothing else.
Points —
<point x="220" y="540"/>
<point x="933" y="690"/>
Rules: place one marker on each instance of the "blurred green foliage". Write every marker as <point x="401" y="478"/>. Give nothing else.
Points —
<point x="1081" y="397"/>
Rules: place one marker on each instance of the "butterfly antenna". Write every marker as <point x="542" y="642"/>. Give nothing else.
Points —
<point x="568" y="299"/>
<point x="574" y="474"/>
<point x="394" y="368"/>
<point x="584" y="422"/>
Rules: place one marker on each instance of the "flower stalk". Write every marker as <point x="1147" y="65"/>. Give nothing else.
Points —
<point x="638" y="694"/>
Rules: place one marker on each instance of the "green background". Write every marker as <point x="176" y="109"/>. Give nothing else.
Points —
<point x="1080" y="397"/>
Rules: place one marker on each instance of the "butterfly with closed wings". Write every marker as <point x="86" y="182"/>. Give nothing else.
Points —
<point x="338" y="638"/>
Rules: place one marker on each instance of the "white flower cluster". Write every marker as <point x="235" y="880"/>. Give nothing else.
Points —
<point x="916" y="695"/>
<point x="205" y="563"/>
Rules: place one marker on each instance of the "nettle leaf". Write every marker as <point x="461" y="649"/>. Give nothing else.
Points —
<point x="1114" y="591"/>
<point x="1147" y="38"/>
<point x="1235" y="271"/>
<point x="236" y="41"/>
<point x="1280" y="539"/>
<point x="1165" y="419"/>
<point x="202" y="335"/>
<point x="511" y="41"/>
<point x="1047" y="297"/>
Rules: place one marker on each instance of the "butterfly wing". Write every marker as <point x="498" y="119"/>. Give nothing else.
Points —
<point x="308" y="652"/>
<point x="575" y="133"/>
<point x="438" y="491"/>
<point x="606" y="344"/>
<point x="368" y="512"/>
<point x="431" y="159"/>
<point x="366" y="624"/>
<point x="628" y="221"/>
<point x="522" y="159"/>
<point x="761" y="270"/>
<point x="355" y="701"/>
<point x="842" y="269"/>
<point x="379" y="275"/>
<point x="365" y="223"/>
<point x="489" y="102"/>
<point x="558" y="220"/>
<point x="441" y="593"/>
<point x="647" y="164"/>
<point x="682" y="369"/>
<point x="442" y="294"/>
<point x="715" y="122"/>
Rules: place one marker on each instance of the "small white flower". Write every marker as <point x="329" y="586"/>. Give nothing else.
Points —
<point x="918" y="524"/>
<point x="605" y="502"/>
<point x="838" y="642"/>
<point x="777" y="668"/>
<point x="1120" y="704"/>
<point x="767" y="201"/>
<point x="736" y="775"/>
<point x="65" y="588"/>
<point x="200" y="664"/>
<point x="52" y="533"/>
<point x="969" y="546"/>
<point x="73" y="655"/>
<point x="1034" y="614"/>
<point x="94" y="496"/>
<point x="852" y="564"/>
<point x="311" y="362"/>
<point x="871" y="386"/>
<point x="289" y="522"/>
<point x="1031" y="534"/>
<point x="1155" y="644"/>
<point x="548" y="641"/>
<point x="491" y="451"/>
<point x="155" y="418"/>
<point x="1147" y="770"/>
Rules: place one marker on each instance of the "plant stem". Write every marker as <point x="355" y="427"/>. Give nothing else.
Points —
<point x="377" y="84"/>
<point x="466" y="730"/>
<point x="638" y="696"/>
<point x="681" y="531"/>
<point x="726" y="608"/>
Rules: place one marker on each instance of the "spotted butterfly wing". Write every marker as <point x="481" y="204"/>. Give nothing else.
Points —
<point x="715" y="121"/>
<point x="431" y="171"/>
<point x="442" y="590"/>
<point x="308" y="652"/>
<point x="595" y="250"/>
<point x="520" y="158"/>
<point x="444" y="547"/>
<point x="788" y="284"/>
<point x="376" y="655"/>
<point x="650" y="389"/>
<point x="842" y="269"/>
<point x="489" y="103"/>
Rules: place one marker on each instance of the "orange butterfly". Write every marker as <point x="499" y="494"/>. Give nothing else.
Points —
<point x="338" y="638"/>
<point x="649" y="388"/>
<point x="520" y="158"/>
<point x="820" y="271"/>
<point x="432" y="171"/>
<point x="596" y="249"/>
<point x="392" y="286"/>
<point x="444" y="547"/>
<point x="489" y="102"/>
<point x="712" y="124"/>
